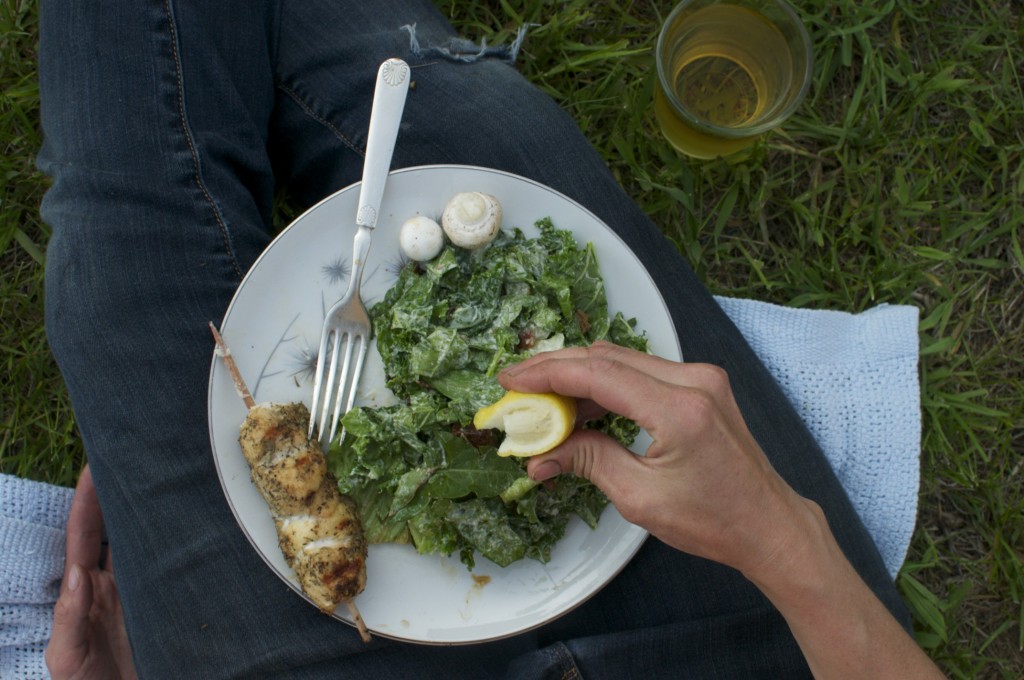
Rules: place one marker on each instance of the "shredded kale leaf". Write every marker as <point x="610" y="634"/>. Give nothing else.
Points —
<point x="418" y="470"/>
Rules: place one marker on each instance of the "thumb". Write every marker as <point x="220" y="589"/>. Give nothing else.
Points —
<point x="69" y="639"/>
<point x="595" y="456"/>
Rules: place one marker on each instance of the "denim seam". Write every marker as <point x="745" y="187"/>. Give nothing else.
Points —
<point x="570" y="671"/>
<point x="190" y="142"/>
<point x="308" y="109"/>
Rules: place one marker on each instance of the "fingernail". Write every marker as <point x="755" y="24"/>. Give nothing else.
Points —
<point x="510" y="370"/>
<point x="74" y="578"/>
<point x="546" y="470"/>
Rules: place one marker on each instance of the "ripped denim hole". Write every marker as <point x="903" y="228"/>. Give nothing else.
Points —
<point x="460" y="49"/>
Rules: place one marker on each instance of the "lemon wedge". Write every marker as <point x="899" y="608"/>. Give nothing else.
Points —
<point x="533" y="423"/>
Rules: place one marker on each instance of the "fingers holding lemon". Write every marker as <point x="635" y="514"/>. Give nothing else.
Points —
<point x="533" y="423"/>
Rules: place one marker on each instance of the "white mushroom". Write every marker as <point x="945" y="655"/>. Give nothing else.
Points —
<point x="421" y="238"/>
<point x="472" y="219"/>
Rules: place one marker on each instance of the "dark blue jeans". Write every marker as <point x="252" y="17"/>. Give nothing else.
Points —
<point x="169" y="125"/>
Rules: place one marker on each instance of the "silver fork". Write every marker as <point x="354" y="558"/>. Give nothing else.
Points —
<point x="347" y="327"/>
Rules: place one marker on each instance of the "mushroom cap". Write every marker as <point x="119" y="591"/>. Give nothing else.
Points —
<point x="421" y="238"/>
<point x="472" y="219"/>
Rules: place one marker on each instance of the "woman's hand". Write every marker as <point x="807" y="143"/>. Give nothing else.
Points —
<point x="704" y="486"/>
<point x="89" y="640"/>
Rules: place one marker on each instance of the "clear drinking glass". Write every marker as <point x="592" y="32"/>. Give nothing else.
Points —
<point x="728" y="72"/>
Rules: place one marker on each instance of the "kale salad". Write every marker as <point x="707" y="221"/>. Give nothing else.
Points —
<point x="418" y="471"/>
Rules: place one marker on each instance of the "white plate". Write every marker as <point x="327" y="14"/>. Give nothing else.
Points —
<point x="273" y="326"/>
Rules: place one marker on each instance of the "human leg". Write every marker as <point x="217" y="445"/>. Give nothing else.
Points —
<point x="156" y="117"/>
<point x="140" y="252"/>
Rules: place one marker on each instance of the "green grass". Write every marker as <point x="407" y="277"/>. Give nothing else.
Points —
<point x="900" y="180"/>
<point x="37" y="430"/>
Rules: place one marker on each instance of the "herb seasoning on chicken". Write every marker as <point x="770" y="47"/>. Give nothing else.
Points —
<point x="318" y="528"/>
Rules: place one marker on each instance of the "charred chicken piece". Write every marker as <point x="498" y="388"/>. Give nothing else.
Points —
<point x="286" y="467"/>
<point x="326" y="547"/>
<point x="317" y="527"/>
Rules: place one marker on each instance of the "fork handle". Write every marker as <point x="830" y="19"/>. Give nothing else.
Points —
<point x="385" y="117"/>
<point x="360" y="251"/>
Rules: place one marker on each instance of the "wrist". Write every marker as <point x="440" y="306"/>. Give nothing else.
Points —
<point x="841" y="626"/>
<point x="811" y="582"/>
<point x="804" y="557"/>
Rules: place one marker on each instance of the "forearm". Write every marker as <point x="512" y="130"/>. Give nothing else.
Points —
<point x="842" y="628"/>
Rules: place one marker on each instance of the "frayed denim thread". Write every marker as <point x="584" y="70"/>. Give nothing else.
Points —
<point x="460" y="49"/>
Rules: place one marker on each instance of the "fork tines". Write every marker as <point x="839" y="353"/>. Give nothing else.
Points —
<point x="347" y="383"/>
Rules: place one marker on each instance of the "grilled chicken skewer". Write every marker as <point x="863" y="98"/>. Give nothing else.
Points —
<point x="318" y="528"/>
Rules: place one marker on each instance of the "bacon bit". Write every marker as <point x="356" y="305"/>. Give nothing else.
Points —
<point x="527" y="339"/>
<point x="583" y="320"/>
<point x="474" y="436"/>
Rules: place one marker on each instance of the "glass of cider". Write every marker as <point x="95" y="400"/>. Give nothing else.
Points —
<point x="729" y="71"/>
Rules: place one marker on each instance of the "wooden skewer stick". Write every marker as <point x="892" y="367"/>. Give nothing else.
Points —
<point x="242" y="389"/>
<point x="357" y="618"/>
<point x="225" y="355"/>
